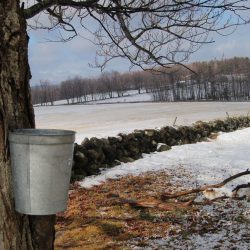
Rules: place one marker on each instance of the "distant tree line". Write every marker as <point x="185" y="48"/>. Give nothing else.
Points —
<point x="216" y="80"/>
<point x="81" y="90"/>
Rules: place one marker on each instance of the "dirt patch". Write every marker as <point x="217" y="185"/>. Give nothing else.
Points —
<point x="98" y="218"/>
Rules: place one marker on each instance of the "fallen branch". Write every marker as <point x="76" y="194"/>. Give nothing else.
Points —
<point x="172" y="206"/>
<point x="166" y="196"/>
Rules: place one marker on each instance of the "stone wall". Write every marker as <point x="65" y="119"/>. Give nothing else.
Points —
<point x="95" y="154"/>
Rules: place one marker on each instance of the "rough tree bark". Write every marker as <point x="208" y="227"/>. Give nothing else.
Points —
<point x="17" y="232"/>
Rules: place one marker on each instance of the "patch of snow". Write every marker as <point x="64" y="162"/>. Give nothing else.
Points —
<point x="159" y="145"/>
<point x="144" y="97"/>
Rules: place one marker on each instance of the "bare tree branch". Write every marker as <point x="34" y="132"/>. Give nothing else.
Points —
<point x="204" y="188"/>
<point x="150" y="34"/>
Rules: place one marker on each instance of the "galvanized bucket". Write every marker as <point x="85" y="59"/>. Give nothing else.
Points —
<point x="41" y="161"/>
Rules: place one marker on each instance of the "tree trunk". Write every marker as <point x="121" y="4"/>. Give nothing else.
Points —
<point x="17" y="232"/>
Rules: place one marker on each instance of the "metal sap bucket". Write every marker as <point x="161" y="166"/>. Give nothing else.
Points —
<point x="41" y="161"/>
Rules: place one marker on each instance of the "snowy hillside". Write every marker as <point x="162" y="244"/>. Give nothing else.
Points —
<point x="129" y="96"/>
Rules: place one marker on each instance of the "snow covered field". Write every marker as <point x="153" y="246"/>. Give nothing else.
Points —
<point x="110" y="119"/>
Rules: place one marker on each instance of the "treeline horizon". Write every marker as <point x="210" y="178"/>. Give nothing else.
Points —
<point x="215" y="80"/>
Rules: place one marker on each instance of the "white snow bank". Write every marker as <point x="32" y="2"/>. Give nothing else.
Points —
<point x="208" y="162"/>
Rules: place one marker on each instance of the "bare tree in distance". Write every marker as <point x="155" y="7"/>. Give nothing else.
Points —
<point x="45" y="93"/>
<point x="92" y="87"/>
<point x="67" y="90"/>
<point x="148" y="33"/>
<point x="48" y="93"/>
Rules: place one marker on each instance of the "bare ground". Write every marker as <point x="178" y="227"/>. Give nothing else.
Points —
<point x="101" y="218"/>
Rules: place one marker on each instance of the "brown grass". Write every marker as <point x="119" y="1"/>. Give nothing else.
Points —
<point x="97" y="219"/>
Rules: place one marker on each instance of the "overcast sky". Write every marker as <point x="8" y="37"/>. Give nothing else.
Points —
<point x="57" y="61"/>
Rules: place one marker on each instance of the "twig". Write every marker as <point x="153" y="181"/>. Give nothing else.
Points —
<point x="174" y="121"/>
<point x="201" y="189"/>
